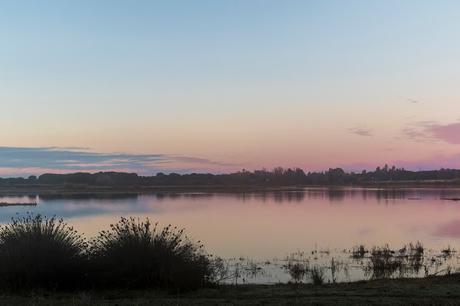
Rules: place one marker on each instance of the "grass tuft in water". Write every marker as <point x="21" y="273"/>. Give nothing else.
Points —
<point x="317" y="275"/>
<point x="359" y="252"/>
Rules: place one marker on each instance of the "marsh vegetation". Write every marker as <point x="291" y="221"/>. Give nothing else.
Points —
<point x="412" y="260"/>
<point x="36" y="251"/>
<point x="40" y="252"/>
<point x="46" y="253"/>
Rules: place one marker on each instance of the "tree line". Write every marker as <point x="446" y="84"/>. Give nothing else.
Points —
<point x="277" y="177"/>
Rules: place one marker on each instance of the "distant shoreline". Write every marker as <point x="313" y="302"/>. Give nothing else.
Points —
<point x="86" y="189"/>
<point x="242" y="181"/>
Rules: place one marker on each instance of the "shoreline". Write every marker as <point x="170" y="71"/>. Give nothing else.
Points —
<point x="63" y="190"/>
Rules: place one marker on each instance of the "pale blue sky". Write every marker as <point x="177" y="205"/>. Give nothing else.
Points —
<point x="214" y="79"/>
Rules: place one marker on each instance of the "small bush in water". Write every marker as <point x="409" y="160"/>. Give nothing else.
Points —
<point x="135" y="254"/>
<point x="41" y="252"/>
<point x="317" y="275"/>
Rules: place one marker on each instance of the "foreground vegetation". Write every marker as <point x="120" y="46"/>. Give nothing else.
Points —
<point x="44" y="261"/>
<point x="39" y="253"/>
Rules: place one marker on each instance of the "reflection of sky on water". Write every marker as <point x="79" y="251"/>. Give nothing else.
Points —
<point x="449" y="229"/>
<point x="81" y="205"/>
<point x="267" y="224"/>
<point x="75" y="208"/>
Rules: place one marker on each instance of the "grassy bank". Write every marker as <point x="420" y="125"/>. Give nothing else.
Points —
<point x="440" y="290"/>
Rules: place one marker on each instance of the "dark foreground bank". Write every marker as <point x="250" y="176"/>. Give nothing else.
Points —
<point x="440" y="290"/>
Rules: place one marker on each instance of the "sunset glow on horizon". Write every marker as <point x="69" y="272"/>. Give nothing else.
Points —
<point x="220" y="86"/>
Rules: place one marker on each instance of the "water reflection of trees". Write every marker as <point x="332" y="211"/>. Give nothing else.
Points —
<point x="88" y="196"/>
<point x="276" y="196"/>
<point x="333" y="194"/>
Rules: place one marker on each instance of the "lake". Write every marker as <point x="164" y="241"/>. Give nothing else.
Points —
<point x="263" y="228"/>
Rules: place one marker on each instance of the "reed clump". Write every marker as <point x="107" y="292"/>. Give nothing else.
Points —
<point x="41" y="252"/>
<point x="37" y="252"/>
<point x="139" y="254"/>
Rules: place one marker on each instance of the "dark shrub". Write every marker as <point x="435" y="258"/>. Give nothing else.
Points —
<point x="40" y="252"/>
<point x="134" y="254"/>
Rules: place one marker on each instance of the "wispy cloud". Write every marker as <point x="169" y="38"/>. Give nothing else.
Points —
<point x="361" y="132"/>
<point x="449" y="132"/>
<point x="45" y="159"/>
<point x="430" y="131"/>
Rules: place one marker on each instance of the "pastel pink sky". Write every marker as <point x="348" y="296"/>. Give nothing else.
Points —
<point x="231" y="85"/>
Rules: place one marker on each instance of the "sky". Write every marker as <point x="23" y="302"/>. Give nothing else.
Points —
<point x="218" y="86"/>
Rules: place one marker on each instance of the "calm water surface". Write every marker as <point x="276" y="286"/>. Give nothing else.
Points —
<point x="271" y="225"/>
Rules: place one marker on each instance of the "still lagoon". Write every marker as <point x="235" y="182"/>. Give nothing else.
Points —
<point x="263" y="228"/>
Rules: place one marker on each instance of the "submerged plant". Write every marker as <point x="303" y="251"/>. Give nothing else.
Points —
<point x="220" y="270"/>
<point x="297" y="271"/>
<point x="317" y="275"/>
<point x="447" y="252"/>
<point x="138" y="254"/>
<point x="336" y="267"/>
<point x="297" y="266"/>
<point x="415" y="257"/>
<point x="41" y="252"/>
<point x="416" y="249"/>
<point x="383" y="263"/>
<point x="359" y="252"/>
